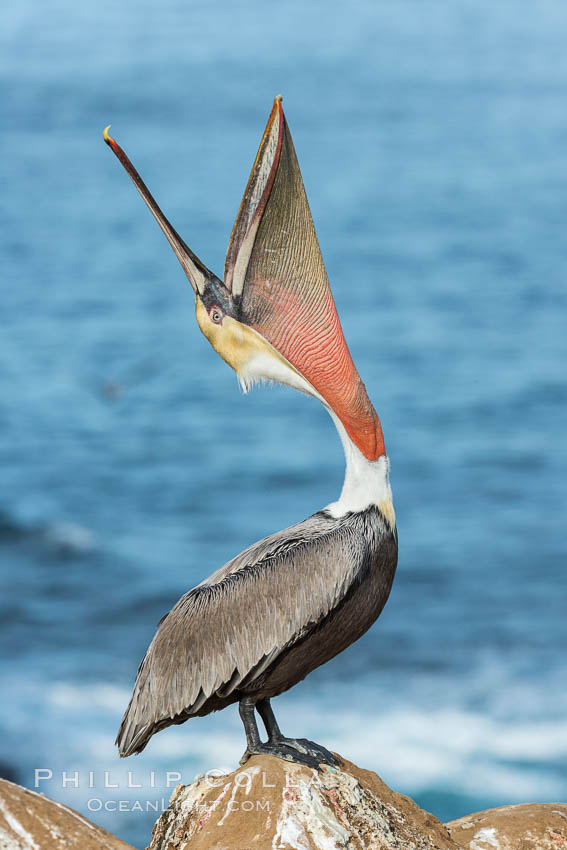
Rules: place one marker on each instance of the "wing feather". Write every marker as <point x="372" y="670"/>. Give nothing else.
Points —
<point x="230" y="628"/>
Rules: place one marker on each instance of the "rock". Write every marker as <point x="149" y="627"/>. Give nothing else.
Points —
<point x="531" y="826"/>
<point x="30" y="821"/>
<point x="270" y="804"/>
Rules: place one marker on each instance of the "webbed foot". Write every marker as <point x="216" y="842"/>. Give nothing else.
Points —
<point x="311" y="749"/>
<point x="286" y="750"/>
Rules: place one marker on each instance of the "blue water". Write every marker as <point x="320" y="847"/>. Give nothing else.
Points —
<point x="433" y="143"/>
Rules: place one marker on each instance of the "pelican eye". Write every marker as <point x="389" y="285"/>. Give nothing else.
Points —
<point x="215" y="315"/>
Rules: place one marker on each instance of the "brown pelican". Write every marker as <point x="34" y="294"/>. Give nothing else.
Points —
<point x="289" y="603"/>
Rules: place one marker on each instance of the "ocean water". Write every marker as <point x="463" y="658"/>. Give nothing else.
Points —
<point x="433" y="143"/>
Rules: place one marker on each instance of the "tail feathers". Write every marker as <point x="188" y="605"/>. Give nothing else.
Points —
<point x="138" y="725"/>
<point x="132" y="739"/>
<point x="136" y="729"/>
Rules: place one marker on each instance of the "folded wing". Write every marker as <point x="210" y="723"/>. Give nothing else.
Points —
<point x="225" y="632"/>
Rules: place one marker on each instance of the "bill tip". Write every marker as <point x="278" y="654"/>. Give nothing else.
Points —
<point x="105" y="135"/>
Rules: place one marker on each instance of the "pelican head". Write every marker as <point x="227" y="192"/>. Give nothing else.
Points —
<point x="273" y="317"/>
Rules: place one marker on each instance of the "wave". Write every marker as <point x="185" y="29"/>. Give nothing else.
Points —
<point x="62" y="538"/>
<point x="415" y="746"/>
<point x="451" y="757"/>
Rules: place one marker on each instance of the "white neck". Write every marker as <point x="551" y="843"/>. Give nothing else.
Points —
<point x="367" y="482"/>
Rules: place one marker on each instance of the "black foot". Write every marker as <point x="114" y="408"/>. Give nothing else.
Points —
<point x="284" y="750"/>
<point x="311" y="749"/>
<point x="299" y="750"/>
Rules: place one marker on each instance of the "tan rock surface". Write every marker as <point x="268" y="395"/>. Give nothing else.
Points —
<point x="530" y="826"/>
<point x="270" y="804"/>
<point x="30" y="821"/>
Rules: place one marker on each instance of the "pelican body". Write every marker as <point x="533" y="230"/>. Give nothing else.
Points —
<point x="294" y="600"/>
